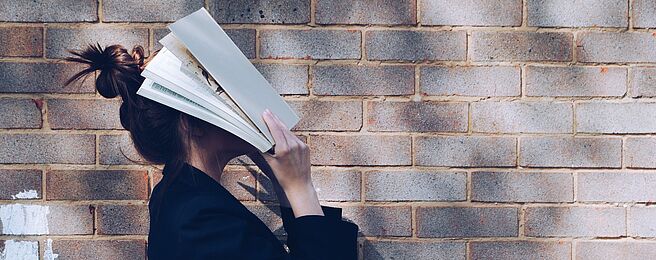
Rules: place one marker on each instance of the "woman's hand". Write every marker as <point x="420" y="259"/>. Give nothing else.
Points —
<point x="291" y="167"/>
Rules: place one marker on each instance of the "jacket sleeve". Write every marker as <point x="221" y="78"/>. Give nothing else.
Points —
<point x="320" y="237"/>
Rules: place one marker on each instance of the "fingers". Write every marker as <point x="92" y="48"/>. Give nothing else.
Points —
<point x="276" y="130"/>
<point x="292" y="140"/>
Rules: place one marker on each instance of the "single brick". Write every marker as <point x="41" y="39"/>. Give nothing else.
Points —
<point x="96" y="185"/>
<point x="465" y="151"/>
<point x="123" y="219"/>
<point x="310" y="44"/>
<point x="70" y="219"/>
<point x="522" y="187"/>
<point x="639" y="152"/>
<point x="643" y="81"/>
<point x="472" y="12"/>
<point x="404" y="45"/>
<point x="516" y="250"/>
<point x="633" y="250"/>
<point x="117" y="149"/>
<point x="467" y="222"/>
<point x="360" y="150"/>
<point x="521" y="117"/>
<point x="579" y="13"/>
<point x="352" y="80"/>
<point x="21" y="41"/>
<point x="261" y="11"/>
<point x="41" y="78"/>
<point x="43" y="219"/>
<point x="148" y="11"/>
<point x="48" y="148"/>
<point x="576" y="81"/>
<point x="641" y="221"/>
<point x="470" y="81"/>
<point x="318" y="115"/>
<point x="243" y="38"/>
<point x="571" y="152"/>
<point x="389" y="12"/>
<point x="419" y="250"/>
<point x="20" y="113"/>
<point x="574" y="221"/>
<point x="240" y="183"/>
<point x="427" y="116"/>
<point x="380" y="220"/>
<point x="617" y="117"/>
<point x="616" y="47"/>
<point x="59" y="40"/>
<point x="415" y="186"/>
<point x="84" y="113"/>
<point x="616" y="187"/>
<point x="49" y="11"/>
<point x="521" y="46"/>
<point x="644" y="13"/>
<point x="337" y="184"/>
<point x="25" y="249"/>
<point x="286" y="79"/>
<point x="99" y="249"/>
<point x="20" y="184"/>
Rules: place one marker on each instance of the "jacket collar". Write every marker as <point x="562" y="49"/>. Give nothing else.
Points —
<point x="191" y="176"/>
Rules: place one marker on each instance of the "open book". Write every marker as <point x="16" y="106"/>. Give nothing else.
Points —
<point x="201" y="72"/>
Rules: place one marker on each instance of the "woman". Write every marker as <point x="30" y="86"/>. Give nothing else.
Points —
<point x="191" y="215"/>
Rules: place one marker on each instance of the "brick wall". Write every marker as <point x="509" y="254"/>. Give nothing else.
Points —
<point x="468" y="129"/>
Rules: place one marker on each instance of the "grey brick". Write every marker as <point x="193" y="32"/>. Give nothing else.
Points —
<point x="426" y="116"/>
<point x="575" y="81"/>
<point x="419" y="250"/>
<point x="20" y="184"/>
<point x="406" y="45"/>
<point x="84" y="114"/>
<point x="286" y="79"/>
<point x="639" y="152"/>
<point x="472" y="12"/>
<point x="634" y="47"/>
<point x="390" y="12"/>
<point x="96" y="185"/>
<point x="20" y="113"/>
<point x="578" y="13"/>
<point x="521" y="46"/>
<point x="643" y="82"/>
<point x="571" y="152"/>
<point x="575" y="221"/>
<point x="21" y="41"/>
<point x="41" y="78"/>
<point x="521" y="117"/>
<point x="310" y="44"/>
<point x="360" y="150"/>
<point x="633" y="250"/>
<point x="337" y="185"/>
<point x="70" y="219"/>
<point x="641" y="221"/>
<point x="616" y="187"/>
<point x="117" y="149"/>
<point x="522" y="187"/>
<point x="339" y="80"/>
<point x="465" y="151"/>
<point x="644" y="13"/>
<point x="100" y="249"/>
<point x="260" y="11"/>
<point x="48" y="148"/>
<point x="380" y="220"/>
<point x="123" y="219"/>
<point x="243" y="38"/>
<point x="148" y="11"/>
<point x="58" y="40"/>
<point x="617" y="117"/>
<point x="318" y="115"/>
<point x="467" y="222"/>
<point x="49" y="11"/>
<point x="516" y="250"/>
<point x="415" y="186"/>
<point x="470" y="81"/>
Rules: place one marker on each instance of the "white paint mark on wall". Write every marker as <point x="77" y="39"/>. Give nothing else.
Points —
<point x="47" y="253"/>
<point x="21" y="219"/>
<point x="20" y="250"/>
<point x="26" y="194"/>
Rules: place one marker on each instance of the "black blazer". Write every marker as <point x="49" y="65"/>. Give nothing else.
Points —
<point x="197" y="218"/>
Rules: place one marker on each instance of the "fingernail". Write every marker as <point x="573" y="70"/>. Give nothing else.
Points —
<point x="266" y="110"/>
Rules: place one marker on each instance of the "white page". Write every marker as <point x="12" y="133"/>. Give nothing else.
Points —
<point x="205" y="39"/>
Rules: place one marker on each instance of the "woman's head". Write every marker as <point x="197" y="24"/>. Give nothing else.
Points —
<point x="161" y="135"/>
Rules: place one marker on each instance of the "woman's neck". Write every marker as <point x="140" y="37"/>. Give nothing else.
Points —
<point x="210" y="164"/>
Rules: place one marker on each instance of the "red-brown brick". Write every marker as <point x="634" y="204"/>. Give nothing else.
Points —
<point x="21" y="42"/>
<point x="96" y="185"/>
<point x="20" y="184"/>
<point x="122" y="219"/>
<point x="20" y="113"/>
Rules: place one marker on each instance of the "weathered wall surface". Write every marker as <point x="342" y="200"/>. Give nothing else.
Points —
<point x="472" y="129"/>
